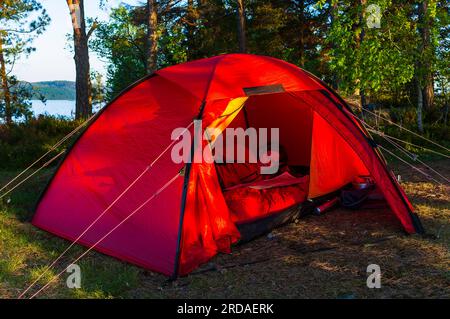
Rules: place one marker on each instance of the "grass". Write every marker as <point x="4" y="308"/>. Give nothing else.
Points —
<point x="317" y="257"/>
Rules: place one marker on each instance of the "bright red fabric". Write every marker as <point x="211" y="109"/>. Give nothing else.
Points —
<point x="233" y="174"/>
<point x="247" y="203"/>
<point x="225" y="76"/>
<point x="333" y="162"/>
<point x="134" y="129"/>
<point x="207" y="227"/>
<point x="115" y="149"/>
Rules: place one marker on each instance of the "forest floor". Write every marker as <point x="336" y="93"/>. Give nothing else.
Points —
<point x="317" y="257"/>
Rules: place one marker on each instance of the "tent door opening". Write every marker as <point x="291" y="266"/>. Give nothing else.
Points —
<point x="314" y="162"/>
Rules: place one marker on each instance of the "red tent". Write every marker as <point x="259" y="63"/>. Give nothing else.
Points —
<point x="206" y="207"/>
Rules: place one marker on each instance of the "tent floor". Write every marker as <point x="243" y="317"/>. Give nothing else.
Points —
<point x="261" y="226"/>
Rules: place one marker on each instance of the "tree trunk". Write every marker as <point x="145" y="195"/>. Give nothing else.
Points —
<point x="5" y="85"/>
<point x="362" y="92"/>
<point x="241" y="26"/>
<point x="446" y="113"/>
<point x="334" y="17"/>
<point x="419" y="107"/>
<point x="301" y="44"/>
<point x="83" y="108"/>
<point x="191" y="21"/>
<point x="152" y="36"/>
<point x="428" y="92"/>
<point x="444" y="91"/>
<point x="425" y="32"/>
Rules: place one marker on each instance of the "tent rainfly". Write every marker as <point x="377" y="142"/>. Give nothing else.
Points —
<point x="208" y="206"/>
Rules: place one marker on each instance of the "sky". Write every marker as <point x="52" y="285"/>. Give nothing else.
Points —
<point x="52" y="59"/>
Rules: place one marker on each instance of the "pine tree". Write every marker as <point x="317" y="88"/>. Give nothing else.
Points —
<point x="20" y="22"/>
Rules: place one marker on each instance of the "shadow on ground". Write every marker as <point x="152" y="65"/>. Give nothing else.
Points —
<point x="317" y="257"/>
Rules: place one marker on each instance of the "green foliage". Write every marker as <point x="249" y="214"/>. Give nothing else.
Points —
<point x="21" y="143"/>
<point x="215" y="30"/>
<point x="442" y="69"/>
<point x="272" y="29"/>
<point x="121" y="42"/>
<point x="407" y="118"/>
<point x="20" y="94"/>
<point x="172" y="52"/>
<point x="98" y="90"/>
<point x="20" y="22"/>
<point x="329" y="38"/>
<point x="19" y="17"/>
<point x="382" y="59"/>
<point x="291" y="30"/>
<point x="54" y="90"/>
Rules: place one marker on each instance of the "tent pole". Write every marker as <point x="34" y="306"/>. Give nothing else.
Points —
<point x="246" y="117"/>
<point x="187" y="174"/>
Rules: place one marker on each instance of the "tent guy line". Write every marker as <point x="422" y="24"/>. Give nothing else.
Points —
<point x="60" y="142"/>
<point x="378" y="132"/>
<point x="381" y="133"/>
<point x="34" y="173"/>
<point x="107" y="234"/>
<point x="415" y="157"/>
<point x="404" y="128"/>
<point x="405" y="151"/>
<point x="409" y="164"/>
<point x="84" y="232"/>
<point x="51" y="265"/>
<point x="409" y="154"/>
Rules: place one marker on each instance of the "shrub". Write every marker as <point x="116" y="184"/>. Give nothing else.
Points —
<point x="22" y="143"/>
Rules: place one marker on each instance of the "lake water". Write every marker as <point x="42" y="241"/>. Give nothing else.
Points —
<point x="53" y="107"/>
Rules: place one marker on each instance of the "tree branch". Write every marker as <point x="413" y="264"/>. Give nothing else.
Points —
<point x="92" y="29"/>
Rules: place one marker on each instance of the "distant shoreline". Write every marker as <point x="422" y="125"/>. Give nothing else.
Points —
<point x="53" y="90"/>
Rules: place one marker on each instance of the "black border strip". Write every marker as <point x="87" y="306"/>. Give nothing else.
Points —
<point x="93" y="120"/>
